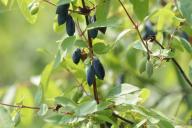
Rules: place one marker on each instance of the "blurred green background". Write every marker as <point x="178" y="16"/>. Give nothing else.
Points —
<point x="25" y="50"/>
<point x="20" y="57"/>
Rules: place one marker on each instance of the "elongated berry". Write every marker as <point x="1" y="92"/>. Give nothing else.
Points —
<point x="62" y="9"/>
<point x="61" y="18"/>
<point x="76" y="56"/>
<point x="98" y="68"/>
<point x="90" y="75"/>
<point x="70" y="26"/>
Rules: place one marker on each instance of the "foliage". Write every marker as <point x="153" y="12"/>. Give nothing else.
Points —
<point x="111" y="67"/>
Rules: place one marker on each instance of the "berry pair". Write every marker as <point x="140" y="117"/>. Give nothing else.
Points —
<point x="96" y="69"/>
<point x="64" y="16"/>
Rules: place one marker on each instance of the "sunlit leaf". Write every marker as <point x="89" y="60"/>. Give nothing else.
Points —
<point x="5" y="119"/>
<point x="23" y="5"/>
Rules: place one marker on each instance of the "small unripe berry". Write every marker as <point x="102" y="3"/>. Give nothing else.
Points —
<point x="33" y="8"/>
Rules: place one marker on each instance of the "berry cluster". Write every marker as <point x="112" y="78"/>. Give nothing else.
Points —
<point x="94" y="69"/>
<point x="64" y="16"/>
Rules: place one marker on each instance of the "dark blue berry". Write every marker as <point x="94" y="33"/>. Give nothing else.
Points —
<point x="70" y="26"/>
<point x="76" y="56"/>
<point x="62" y="9"/>
<point x="98" y="68"/>
<point x="93" y="33"/>
<point x="149" y="32"/>
<point x="61" y="19"/>
<point x="90" y="75"/>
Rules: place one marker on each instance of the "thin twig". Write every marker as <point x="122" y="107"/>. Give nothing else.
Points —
<point x="79" y="84"/>
<point x="47" y="1"/>
<point x="177" y="65"/>
<point x="123" y="119"/>
<point x="73" y="11"/>
<point x="22" y="106"/>
<point x="137" y="29"/>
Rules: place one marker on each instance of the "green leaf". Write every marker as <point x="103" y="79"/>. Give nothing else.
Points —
<point x="86" y="108"/>
<point x="45" y="78"/>
<point x="61" y="2"/>
<point x="68" y="119"/>
<point x="59" y="57"/>
<point x="139" y="46"/>
<point x="186" y="45"/>
<point x="166" y="17"/>
<point x="81" y="43"/>
<point x="16" y="119"/>
<point x="165" y="124"/>
<point x="104" y="117"/>
<point x="142" y="65"/>
<point x="140" y="123"/>
<point x="122" y="90"/>
<point x="103" y="10"/>
<point x="112" y="22"/>
<point x="67" y="42"/>
<point x="167" y="53"/>
<point x="149" y="68"/>
<point x="66" y="103"/>
<point x="23" y="5"/>
<point x="5" y="2"/>
<point x="54" y="118"/>
<point x="101" y="48"/>
<point x="38" y="96"/>
<point x="190" y="69"/>
<point x="140" y="8"/>
<point x="128" y="99"/>
<point x="185" y="7"/>
<point x="43" y="110"/>
<point x="121" y="34"/>
<point x="144" y="94"/>
<point x="5" y="119"/>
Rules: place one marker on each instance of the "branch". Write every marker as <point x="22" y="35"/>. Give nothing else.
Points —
<point x="137" y="29"/>
<point x="79" y="84"/>
<point x="73" y="11"/>
<point x="177" y="65"/>
<point x="123" y="119"/>
<point x="22" y="106"/>
<point x="91" y="56"/>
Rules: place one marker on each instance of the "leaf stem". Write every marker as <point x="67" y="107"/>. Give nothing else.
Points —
<point x="137" y="29"/>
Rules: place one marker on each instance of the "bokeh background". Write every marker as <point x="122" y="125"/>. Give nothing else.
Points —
<point x="25" y="50"/>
